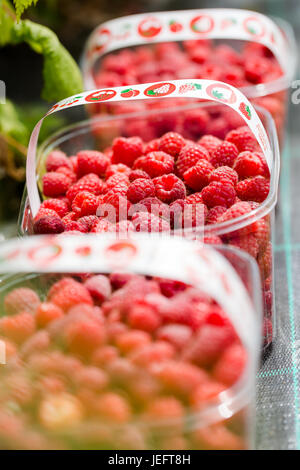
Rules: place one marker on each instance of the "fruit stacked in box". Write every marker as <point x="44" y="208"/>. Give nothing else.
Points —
<point x="253" y="64"/>
<point x="164" y="185"/>
<point x="119" y="361"/>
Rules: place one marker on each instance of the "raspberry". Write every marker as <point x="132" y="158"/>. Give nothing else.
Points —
<point x="83" y="337"/>
<point x="136" y="174"/>
<point x="117" y="169"/>
<point x="250" y="164"/>
<point x="103" y="355"/>
<point x="246" y="243"/>
<point x="146" y="222"/>
<point x="114" y="407"/>
<point x="155" y="164"/>
<point x="204" y="393"/>
<point x="91" y="183"/>
<point x="100" y="226"/>
<point x="87" y="222"/>
<point x="60" y="411"/>
<point x="91" y="377"/>
<point x="212" y="240"/>
<point x="154" y="353"/>
<point x="218" y="126"/>
<point x="178" y="335"/>
<point x="55" y="184"/>
<point x="224" y="155"/>
<point x="119" y="280"/>
<point x="165" y="408"/>
<point x="195" y="198"/>
<point x="218" y="193"/>
<point x="214" y="214"/>
<point x="18" y="327"/>
<point x="169" y="287"/>
<point x="140" y="189"/>
<point x="262" y="234"/>
<point x="46" y="313"/>
<point x="195" y="122"/>
<point x="231" y="365"/>
<point x="198" y="176"/>
<point x="179" y="377"/>
<point x="71" y="294"/>
<point x="68" y="173"/>
<point x="118" y="183"/>
<point x="188" y="157"/>
<point x="168" y="188"/>
<point x="256" y="68"/>
<point x="48" y="224"/>
<point x="58" y="205"/>
<point x="171" y="143"/>
<point x="265" y="262"/>
<point x="61" y="284"/>
<point x="38" y="343"/>
<point x="210" y="143"/>
<point x="217" y="437"/>
<point x="91" y="161"/>
<point x="116" y="206"/>
<point x="142" y="317"/>
<point x="127" y="150"/>
<point x="57" y="159"/>
<point x="21" y="299"/>
<point x="131" y="340"/>
<point x="237" y="210"/>
<point x="243" y="139"/>
<point x="124" y="227"/>
<point x="85" y="203"/>
<point x="152" y="146"/>
<point x="186" y="215"/>
<point x="224" y="173"/>
<point x="74" y="227"/>
<point x="154" y="206"/>
<point x="99" y="287"/>
<point x="253" y="189"/>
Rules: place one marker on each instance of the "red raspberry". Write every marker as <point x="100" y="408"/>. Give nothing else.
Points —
<point x="71" y="294"/>
<point x="146" y="222"/>
<point x="224" y="155"/>
<point x="55" y="184"/>
<point x="118" y="168"/>
<point x="224" y="173"/>
<point x="18" y="327"/>
<point x="253" y="189"/>
<point x="85" y="203"/>
<point x="195" y="122"/>
<point x="210" y="143"/>
<point x="154" y="206"/>
<point x="218" y="126"/>
<point x="178" y="335"/>
<point x="91" y="183"/>
<point x="262" y="234"/>
<point x="256" y="69"/>
<point x="118" y="183"/>
<point x="48" y="224"/>
<point x="151" y="146"/>
<point x="197" y="176"/>
<point x="99" y="287"/>
<point x="119" y="280"/>
<point x="87" y="222"/>
<point x="67" y="172"/>
<point x="84" y="337"/>
<point x="231" y="365"/>
<point x="91" y="377"/>
<point x="132" y="339"/>
<point x="154" y="353"/>
<point x="214" y="214"/>
<point x="218" y="194"/>
<point x="140" y="189"/>
<point x="143" y="317"/>
<point x="188" y="157"/>
<point x="195" y="198"/>
<point x="127" y="150"/>
<point x="57" y="159"/>
<point x="136" y="174"/>
<point x="100" y="226"/>
<point x="243" y="139"/>
<point x="169" y="288"/>
<point x="265" y="262"/>
<point x="113" y="408"/>
<point x="179" y="377"/>
<point x="74" y="227"/>
<point x="171" y="143"/>
<point x="155" y="163"/>
<point x="237" y="210"/>
<point x="165" y="408"/>
<point x="21" y="299"/>
<point x="124" y="227"/>
<point x="250" y="164"/>
<point x="206" y="392"/>
<point x="46" y="313"/>
<point x="44" y="212"/>
<point x="217" y="437"/>
<point x="168" y="188"/>
<point x="57" y="286"/>
<point x="246" y="243"/>
<point x="212" y="240"/>
<point x="185" y="215"/>
<point x="91" y="161"/>
<point x="115" y="206"/>
<point x="74" y="162"/>
<point x="58" y="205"/>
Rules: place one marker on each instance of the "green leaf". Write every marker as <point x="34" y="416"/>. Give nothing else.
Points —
<point x="22" y="5"/>
<point x="7" y="20"/>
<point x="151" y="92"/>
<point x="11" y="124"/>
<point x="62" y="76"/>
<point x="197" y="86"/>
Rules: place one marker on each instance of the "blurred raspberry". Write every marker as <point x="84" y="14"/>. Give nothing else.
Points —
<point x="44" y="224"/>
<point x="18" y="327"/>
<point x="146" y="222"/>
<point x="20" y="299"/>
<point x="71" y="294"/>
<point x="178" y="335"/>
<point x="55" y="184"/>
<point x="99" y="287"/>
<point x="155" y="163"/>
<point x="83" y="337"/>
<point x="210" y="143"/>
<point x="243" y="139"/>
<point x="214" y="214"/>
<point x="46" y="313"/>
<point x="56" y="159"/>
<point x="247" y="243"/>
<point x="231" y="365"/>
<point x="68" y="173"/>
<point x="143" y="317"/>
<point x="195" y="122"/>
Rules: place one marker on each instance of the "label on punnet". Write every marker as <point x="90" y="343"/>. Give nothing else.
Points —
<point x="208" y="90"/>
<point x="214" y="23"/>
<point x="195" y="264"/>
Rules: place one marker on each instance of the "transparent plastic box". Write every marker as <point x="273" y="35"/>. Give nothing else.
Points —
<point x="95" y="375"/>
<point x="272" y="94"/>
<point x="98" y="132"/>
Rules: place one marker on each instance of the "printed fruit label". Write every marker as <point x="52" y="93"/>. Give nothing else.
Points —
<point x="254" y="27"/>
<point x="244" y="108"/>
<point x="102" y="40"/>
<point x="149" y="27"/>
<point x="101" y="95"/>
<point x="223" y="93"/>
<point x="159" y="90"/>
<point x="202" y="24"/>
<point x="129" y="93"/>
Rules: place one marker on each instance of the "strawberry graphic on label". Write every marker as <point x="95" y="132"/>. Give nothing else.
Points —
<point x="221" y="92"/>
<point x="83" y="250"/>
<point x="149" y="27"/>
<point x="244" y="108"/>
<point x="101" y="40"/>
<point x="120" y="253"/>
<point x="159" y="90"/>
<point x="45" y="253"/>
<point x="174" y="26"/>
<point x="101" y="95"/>
<point x="202" y="24"/>
<point x="227" y="22"/>
<point x="129" y="93"/>
<point x="254" y="26"/>
<point x="189" y="87"/>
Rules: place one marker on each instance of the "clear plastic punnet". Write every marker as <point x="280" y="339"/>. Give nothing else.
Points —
<point x="246" y="49"/>
<point x="219" y="192"/>
<point x="154" y="346"/>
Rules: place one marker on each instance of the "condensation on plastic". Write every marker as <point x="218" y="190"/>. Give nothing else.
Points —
<point x="227" y="275"/>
